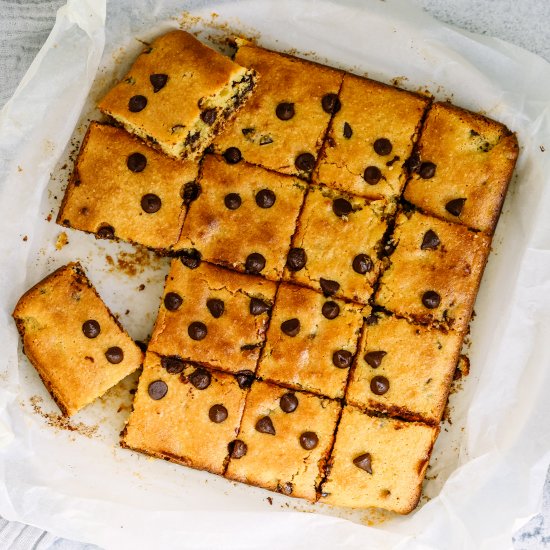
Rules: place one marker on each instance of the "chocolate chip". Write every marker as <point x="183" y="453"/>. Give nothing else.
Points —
<point x="413" y="162"/>
<point x="379" y="385"/>
<point x="200" y="378"/>
<point x="296" y="259"/>
<point x="232" y="201"/>
<point x="191" y="191"/>
<point x="137" y="103"/>
<point x="158" y="81"/>
<point x="285" y="489"/>
<point x="329" y="287"/>
<point x="455" y="207"/>
<point x="216" y="307"/>
<point x="257" y="306"/>
<point x="341" y="207"/>
<point x="330" y="310"/>
<point x="197" y="330"/>
<point x="372" y="175"/>
<point x="288" y="402"/>
<point x="427" y="170"/>
<point x="305" y="162"/>
<point x="371" y="319"/>
<point x="150" y="203"/>
<point x="285" y="111"/>
<point x="364" y="462"/>
<point x="157" y="389"/>
<point x="374" y="358"/>
<point x="341" y="359"/>
<point x="114" y="355"/>
<point x="232" y="155"/>
<point x="106" y="232"/>
<point x="191" y="258"/>
<point x="217" y="413"/>
<point x="348" y="132"/>
<point x="172" y="301"/>
<point x="431" y="299"/>
<point x="237" y="448"/>
<point x="255" y="262"/>
<point x="362" y="264"/>
<point x="173" y="364"/>
<point x="209" y="116"/>
<point x="382" y="147"/>
<point x="265" y="198"/>
<point x="291" y="327"/>
<point x="265" y="426"/>
<point x="136" y="162"/>
<point x="244" y="378"/>
<point x="331" y="104"/>
<point x="430" y="240"/>
<point x="309" y="440"/>
<point x="91" y="328"/>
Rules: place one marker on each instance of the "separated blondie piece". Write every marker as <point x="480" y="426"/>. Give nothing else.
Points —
<point x="370" y="138"/>
<point x="337" y="244"/>
<point x="403" y="369"/>
<point x="213" y="316"/>
<point x="377" y="462"/>
<point x="311" y="341"/>
<point x="283" y="124"/>
<point x="184" y="413"/>
<point x="178" y="94"/>
<point x="78" y="348"/>
<point x="283" y="441"/>
<point x="244" y="217"/>
<point x="122" y="188"/>
<point x="464" y="164"/>
<point x="435" y="271"/>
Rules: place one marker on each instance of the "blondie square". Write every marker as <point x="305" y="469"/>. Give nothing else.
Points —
<point x="337" y="244"/>
<point x="78" y="348"/>
<point x="377" y="462"/>
<point x="185" y="414"/>
<point x="370" y="138"/>
<point x="434" y="272"/>
<point x="283" y="441"/>
<point x="178" y="94"/>
<point x="213" y="316"/>
<point x="403" y="369"/>
<point x="122" y="188"/>
<point x="283" y="124"/>
<point x="244" y="217"/>
<point x="464" y="164"/>
<point x="311" y="341"/>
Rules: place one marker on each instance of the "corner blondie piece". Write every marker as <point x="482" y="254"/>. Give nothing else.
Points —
<point x="213" y="316"/>
<point x="311" y="341"/>
<point x="243" y="213"/>
<point x="370" y="138"/>
<point x="185" y="414"/>
<point x="434" y="272"/>
<point x="283" y="124"/>
<point x="377" y="462"/>
<point x="465" y="162"/>
<point x="178" y="94"/>
<point x="339" y="238"/>
<point x="403" y="369"/>
<point x="78" y="348"/>
<point x="283" y="441"/>
<point x="122" y="188"/>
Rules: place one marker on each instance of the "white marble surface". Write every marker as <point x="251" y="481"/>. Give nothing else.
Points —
<point x="24" y="26"/>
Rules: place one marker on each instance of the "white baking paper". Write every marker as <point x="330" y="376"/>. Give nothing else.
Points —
<point x="70" y="477"/>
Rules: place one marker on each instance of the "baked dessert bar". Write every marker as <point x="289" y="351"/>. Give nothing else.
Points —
<point x="184" y="413"/>
<point x="178" y="94"/>
<point x="120" y="188"/>
<point x="434" y="272"/>
<point x="213" y="316"/>
<point x="370" y="138"/>
<point x="283" y="124"/>
<point x="283" y="441"/>
<point x="311" y="341"/>
<point x="78" y="348"/>
<point x="244" y="217"/>
<point x="403" y="369"/>
<point x="377" y="462"/>
<point x="462" y="167"/>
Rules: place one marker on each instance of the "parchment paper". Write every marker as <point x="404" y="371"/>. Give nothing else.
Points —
<point x="490" y="461"/>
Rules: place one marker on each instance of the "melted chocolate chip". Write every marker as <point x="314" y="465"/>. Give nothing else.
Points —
<point x="157" y="389"/>
<point x="341" y="359"/>
<point x="329" y="287"/>
<point x="285" y="111"/>
<point x="309" y="440"/>
<point x="265" y="426"/>
<point x="172" y="363"/>
<point x="197" y="330"/>
<point x="348" y="132"/>
<point x="305" y="162"/>
<point x="371" y="319"/>
<point x="427" y="170"/>
<point x="106" y="232"/>
<point x="296" y="259"/>
<point x="237" y="448"/>
<point x="114" y="355"/>
<point x="330" y="310"/>
<point x="255" y="262"/>
<point x="244" y="378"/>
<point x="362" y="264"/>
<point x="412" y="164"/>
<point x="372" y="175"/>
<point x="330" y="103"/>
<point x="158" y="81"/>
<point x="374" y="358"/>
<point x="288" y="402"/>
<point x="455" y="206"/>
<point x="265" y="198"/>
<point x="91" y="328"/>
<point x="191" y="192"/>
<point x="232" y="155"/>
<point x="150" y="203"/>
<point x="137" y="103"/>
<point x="200" y="379"/>
<point x="364" y="462"/>
<point x="257" y="306"/>
<point x="172" y="301"/>
<point x="431" y="299"/>
<point x="191" y="258"/>
<point x="291" y="327"/>
<point x="209" y="116"/>
<point x="430" y="240"/>
<point x="232" y="201"/>
<point x="217" y="413"/>
<point x="216" y="307"/>
<point x="382" y="147"/>
<point x="136" y="162"/>
<point x="379" y="385"/>
<point x="341" y="207"/>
